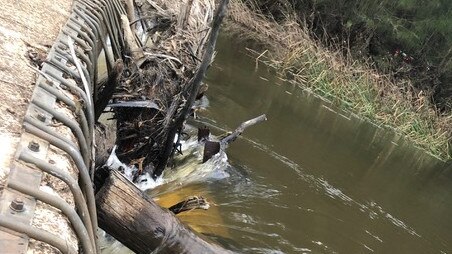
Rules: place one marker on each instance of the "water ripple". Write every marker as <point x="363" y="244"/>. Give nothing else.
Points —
<point x="373" y="210"/>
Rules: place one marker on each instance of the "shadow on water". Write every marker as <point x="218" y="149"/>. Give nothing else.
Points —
<point x="316" y="179"/>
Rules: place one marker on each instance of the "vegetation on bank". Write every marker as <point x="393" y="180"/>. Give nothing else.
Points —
<point x="349" y="84"/>
<point x="405" y="38"/>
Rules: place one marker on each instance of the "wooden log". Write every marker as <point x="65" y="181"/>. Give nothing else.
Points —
<point x="189" y="204"/>
<point x="139" y="223"/>
<point x="130" y="11"/>
<point x="132" y="49"/>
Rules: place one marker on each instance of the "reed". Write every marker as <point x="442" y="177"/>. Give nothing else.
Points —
<point x="351" y="85"/>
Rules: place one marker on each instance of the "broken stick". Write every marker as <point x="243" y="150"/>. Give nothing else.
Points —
<point x="231" y="137"/>
<point x="190" y="203"/>
<point x="212" y="147"/>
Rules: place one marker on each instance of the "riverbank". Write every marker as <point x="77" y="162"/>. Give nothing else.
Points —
<point x="347" y="83"/>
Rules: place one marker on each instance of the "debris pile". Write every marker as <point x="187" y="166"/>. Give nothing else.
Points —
<point x="164" y="49"/>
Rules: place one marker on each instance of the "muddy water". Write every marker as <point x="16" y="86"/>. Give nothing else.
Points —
<point x="313" y="179"/>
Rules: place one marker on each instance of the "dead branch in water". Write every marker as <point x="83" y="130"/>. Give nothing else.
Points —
<point x="108" y="88"/>
<point x="165" y="71"/>
<point x="189" y="204"/>
<point x="132" y="49"/>
<point x="213" y="147"/>
<point x="160" y="72"/>
<point x="231" y="137"/>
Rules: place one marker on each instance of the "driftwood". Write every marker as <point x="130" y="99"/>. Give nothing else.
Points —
<point x="191" y="203"/>
<point x="163" y="72"/>
<point x="231" y="137"/>
<point x="132" y="49"/>
<point x="213" y="147"/>
<point x="141" y="224"/>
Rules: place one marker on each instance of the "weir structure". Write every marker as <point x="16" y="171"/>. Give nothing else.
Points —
<point x="62" y="100"/>
<point x="52" y="175"/>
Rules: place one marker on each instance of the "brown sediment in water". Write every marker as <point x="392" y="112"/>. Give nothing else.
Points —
<point x="349" y="84"/>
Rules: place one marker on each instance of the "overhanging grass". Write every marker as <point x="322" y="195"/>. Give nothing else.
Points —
<point x="349" y="84"/>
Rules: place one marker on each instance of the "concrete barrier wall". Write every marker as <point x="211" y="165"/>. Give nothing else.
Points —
<point x="47" y="193"/>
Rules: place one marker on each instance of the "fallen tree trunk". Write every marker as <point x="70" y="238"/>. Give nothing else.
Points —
<point x="141" y="224"/>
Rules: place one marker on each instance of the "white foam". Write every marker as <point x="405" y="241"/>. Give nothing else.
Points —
<point x="144" y="182"/>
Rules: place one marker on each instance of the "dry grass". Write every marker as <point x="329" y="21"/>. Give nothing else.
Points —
<point x="350" y="85"/>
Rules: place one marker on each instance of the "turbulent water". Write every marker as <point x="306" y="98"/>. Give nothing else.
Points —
<point x="312" y="179"/>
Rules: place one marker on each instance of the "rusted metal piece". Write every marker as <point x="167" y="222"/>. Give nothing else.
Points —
<point x="210" y="149"/>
